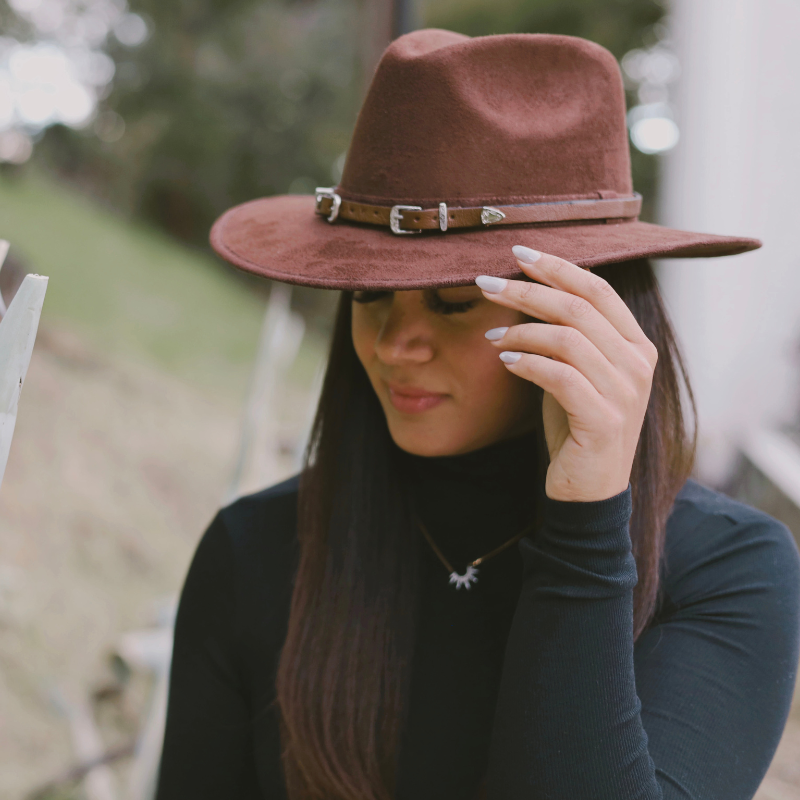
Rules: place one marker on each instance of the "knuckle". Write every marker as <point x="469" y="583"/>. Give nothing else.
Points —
<point x="565" y="375"/>
<point x="615" y="419"/>
<point x="644" y="367"/>
<point x="578" y="307"/>
<point x="651" y="353"/>
<point x="599" y="287"/>
<point x="557" y="266"/>
<point x="569" y="338"/>
<point x="524" y="329"/>
<point x="524" y="335"/>
<point x="630" y="396"/>
<point x="528" y="290"/>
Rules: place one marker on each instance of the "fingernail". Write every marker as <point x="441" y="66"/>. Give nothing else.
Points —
<point x="510" y="358"/>
<point x="525" y="254"/>
<point x="495" y="333"/>
<point x="490" y="284"/>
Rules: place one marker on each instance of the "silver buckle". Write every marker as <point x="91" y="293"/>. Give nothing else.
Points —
<point x="395" y="218"/>
<point x="326" y="192"/>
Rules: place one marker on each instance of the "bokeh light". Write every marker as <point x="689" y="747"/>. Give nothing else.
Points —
<point x="655" y="135"/>
<point x="131" y="30"/>
<point x="649" y="72"/>
<point x="41" y="85"/>
<point x="62" y="74"/>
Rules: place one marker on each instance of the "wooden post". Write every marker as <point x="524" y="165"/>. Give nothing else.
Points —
<point x="17" y="335"/>
<point x="281" y="335"/>
<point x="383" y="21"/>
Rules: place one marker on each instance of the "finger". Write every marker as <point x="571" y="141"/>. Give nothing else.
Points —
<point x="572" y="390"/>
<point x="556" y="306"/>
<point x="565" y="344"/>
<point x="564" y="275"/>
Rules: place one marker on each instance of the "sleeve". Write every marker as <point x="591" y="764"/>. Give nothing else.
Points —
<point x="693" y="712"/>
<point x="207" y="751"/>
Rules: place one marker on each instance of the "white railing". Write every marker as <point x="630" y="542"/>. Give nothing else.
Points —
<point x="20" y="322"/>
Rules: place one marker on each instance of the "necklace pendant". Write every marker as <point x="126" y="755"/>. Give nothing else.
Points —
<point x="466" y="580"/>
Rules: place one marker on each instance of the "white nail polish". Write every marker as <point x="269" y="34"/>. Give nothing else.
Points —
<point x="495" y="333"/>
<point x="525" y="254"/>
<point x="510" y="358"/>
<point x="490" y="284"/>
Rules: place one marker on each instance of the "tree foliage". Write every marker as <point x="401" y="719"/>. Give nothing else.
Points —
<point x="226" y="101"/>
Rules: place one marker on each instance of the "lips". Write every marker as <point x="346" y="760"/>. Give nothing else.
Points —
<point x="413" y="399"/>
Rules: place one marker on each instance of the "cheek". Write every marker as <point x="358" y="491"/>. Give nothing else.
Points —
<point x="478" y="362"/>
<point x="487" y="380"/>
<point x="491" y="384"/>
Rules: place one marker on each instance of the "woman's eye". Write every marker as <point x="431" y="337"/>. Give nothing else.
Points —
<point x="369" y="295"/>
<point x="443" y="307"/>
<point x="433" y="300"/>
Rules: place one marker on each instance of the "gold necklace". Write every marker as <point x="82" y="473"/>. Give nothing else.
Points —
<point x="470" y="576"/>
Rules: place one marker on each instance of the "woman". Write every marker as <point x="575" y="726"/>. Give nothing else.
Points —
<point x="493" y="576"/>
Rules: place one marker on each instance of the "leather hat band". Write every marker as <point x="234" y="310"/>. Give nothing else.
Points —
<point x="403" y="219"/>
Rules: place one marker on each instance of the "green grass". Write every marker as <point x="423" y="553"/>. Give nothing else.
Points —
<point x="130" y="290"/>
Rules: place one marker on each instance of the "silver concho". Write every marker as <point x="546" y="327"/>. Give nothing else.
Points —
<point x="466" y="580"/>
<point x="490" y="215"/>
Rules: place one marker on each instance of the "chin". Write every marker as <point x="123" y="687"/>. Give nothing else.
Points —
<point x="425" y="447"/>
<point x="430" y="440"/>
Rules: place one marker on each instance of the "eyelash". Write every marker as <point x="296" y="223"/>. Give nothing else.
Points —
<point x="435" y="302"/>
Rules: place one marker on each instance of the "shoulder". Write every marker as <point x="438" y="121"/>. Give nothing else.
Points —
<point x="251" y="550"/>
<point x="251" y="541"/>
<point x="267" y="517"/>
<point x="704" y="516"/>
<point x="235" y="599"/>
<point x="261" y="529"/>
<point x="714" y="541"/>
<point x="253" y="527"/>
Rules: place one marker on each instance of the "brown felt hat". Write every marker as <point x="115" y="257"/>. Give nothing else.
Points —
<point x="463" y="148"/>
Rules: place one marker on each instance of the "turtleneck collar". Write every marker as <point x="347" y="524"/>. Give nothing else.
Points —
<point x="472" y="502"/>
<point x="497" y="462"/>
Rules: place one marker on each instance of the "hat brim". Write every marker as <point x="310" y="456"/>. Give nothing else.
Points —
<point x="282" y="238"/>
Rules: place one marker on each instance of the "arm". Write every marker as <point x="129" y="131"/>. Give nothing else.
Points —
<point x="714" y="674"/>
<point x="207" y="749"/>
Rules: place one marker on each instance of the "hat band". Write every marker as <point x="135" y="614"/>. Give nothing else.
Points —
<point x="403" y="219"/>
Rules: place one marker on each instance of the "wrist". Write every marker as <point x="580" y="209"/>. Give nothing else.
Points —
<point x="582" y="494"/>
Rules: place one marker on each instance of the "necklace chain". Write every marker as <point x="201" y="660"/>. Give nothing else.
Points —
<point x="470" y="575"/>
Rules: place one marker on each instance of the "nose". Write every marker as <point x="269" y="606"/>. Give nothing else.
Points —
<point x="405" y="335"/>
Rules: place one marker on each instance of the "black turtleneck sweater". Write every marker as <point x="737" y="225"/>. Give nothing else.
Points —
<point x="531" y="677"/>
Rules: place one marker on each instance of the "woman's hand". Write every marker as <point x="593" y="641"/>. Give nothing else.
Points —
<point x="593" y="362"/>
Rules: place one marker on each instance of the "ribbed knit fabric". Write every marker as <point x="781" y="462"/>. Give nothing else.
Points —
<point x="573" y="631"/>
<point x="530" y="679"/>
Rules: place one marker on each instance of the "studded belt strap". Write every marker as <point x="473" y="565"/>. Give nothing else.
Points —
<point x="415" y="219"/>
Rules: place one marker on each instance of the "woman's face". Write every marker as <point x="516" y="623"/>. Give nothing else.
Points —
<point x="441" y="384"/>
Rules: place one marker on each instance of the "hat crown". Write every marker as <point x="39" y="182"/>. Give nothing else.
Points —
<point x="506" y="118"/>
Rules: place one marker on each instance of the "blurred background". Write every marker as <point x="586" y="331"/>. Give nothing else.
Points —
<point x="164" y="383"/>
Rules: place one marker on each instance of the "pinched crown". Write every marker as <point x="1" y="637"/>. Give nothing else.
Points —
<point x="492" y="120"/>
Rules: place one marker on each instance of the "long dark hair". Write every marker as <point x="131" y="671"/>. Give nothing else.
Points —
<point x="343" y="673"/>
